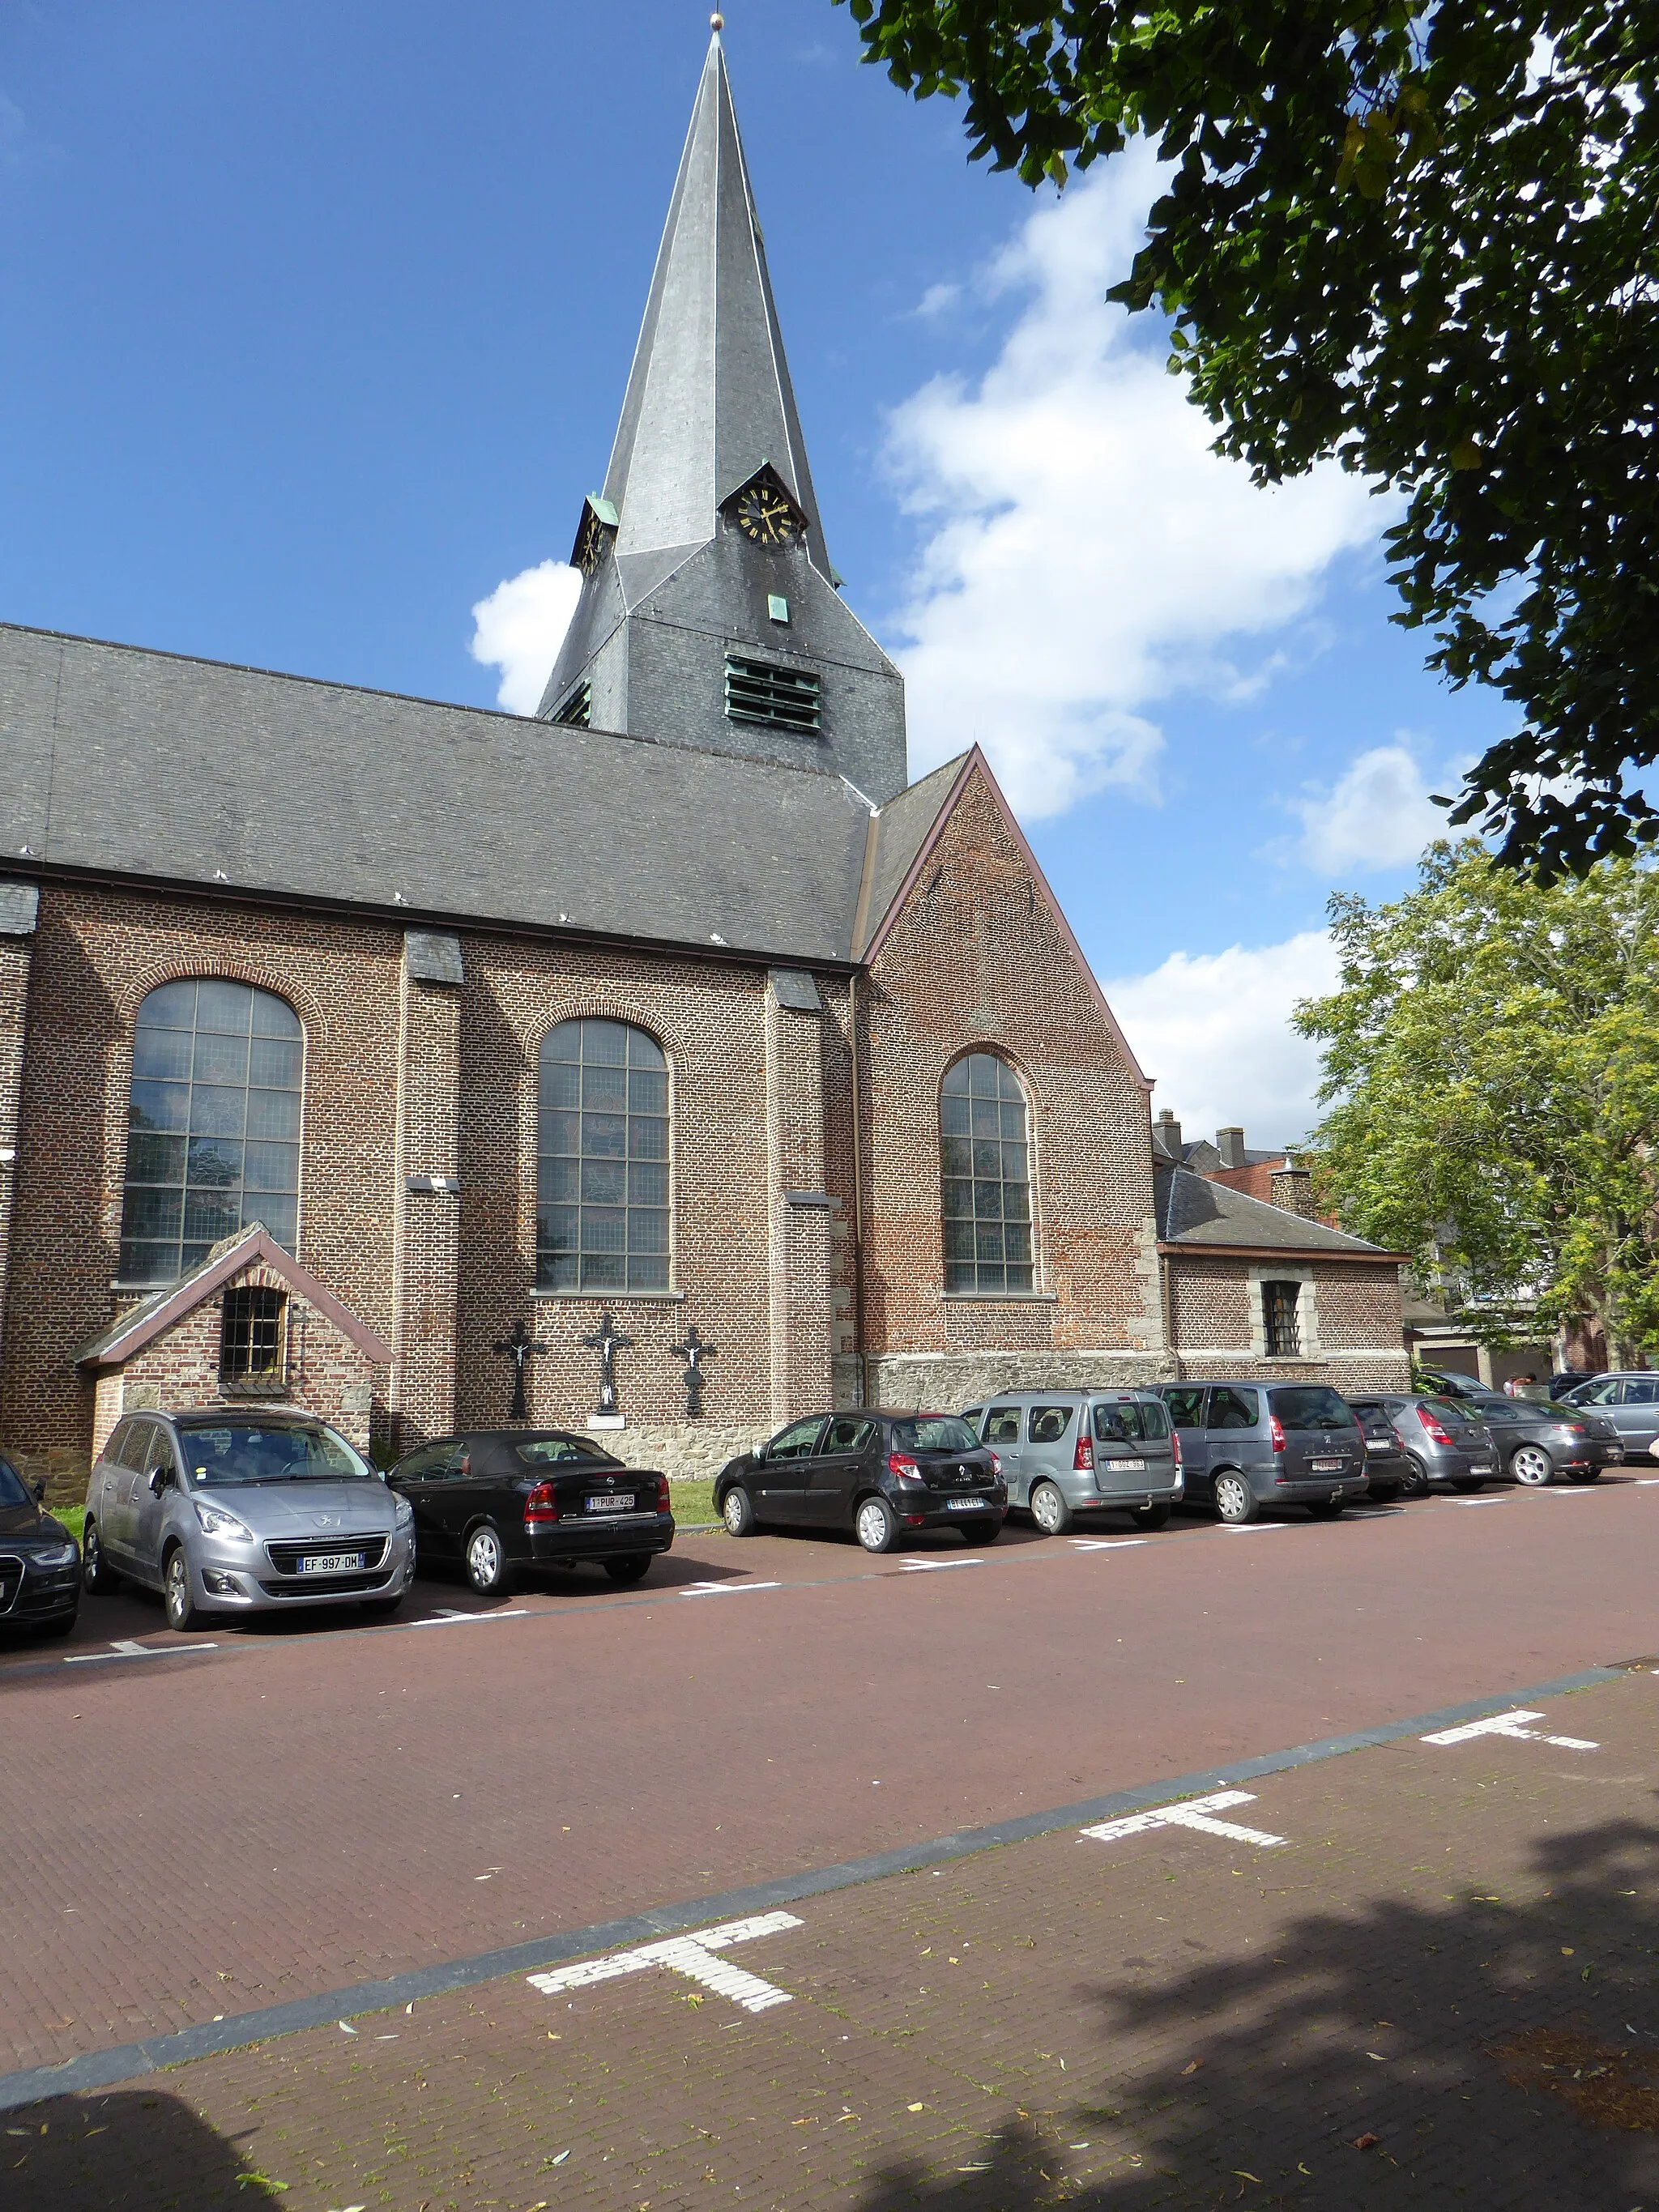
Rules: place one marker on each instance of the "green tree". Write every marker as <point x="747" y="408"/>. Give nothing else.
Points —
<point x="1491" y="1077"/>
<point x="1424" y="240"/>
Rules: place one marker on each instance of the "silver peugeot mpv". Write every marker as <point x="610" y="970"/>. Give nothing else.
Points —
<point x="229" y="1510"/>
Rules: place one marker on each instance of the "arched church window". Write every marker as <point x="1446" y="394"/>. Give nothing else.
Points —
<point x="985" y="1151"/>
<point x="602" y="1159"/>
<point x="213" y="1124"/>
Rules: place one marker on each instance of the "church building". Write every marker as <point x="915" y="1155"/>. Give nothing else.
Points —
<point x="668" y="1057"/>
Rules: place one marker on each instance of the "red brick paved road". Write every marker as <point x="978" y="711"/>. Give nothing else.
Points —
<point x="1439" y="1992"/>
<point x="289" y="1813"/>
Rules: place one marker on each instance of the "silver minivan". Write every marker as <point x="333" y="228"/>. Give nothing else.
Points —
<point x="1067" y="1452"/>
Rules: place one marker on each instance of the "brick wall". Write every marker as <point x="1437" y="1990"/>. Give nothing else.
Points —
<point x="1214" y="1301"/>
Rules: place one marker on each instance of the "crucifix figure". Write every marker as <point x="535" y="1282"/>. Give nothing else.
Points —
<point x="693" y="1351"/>
<point x="518" y="1347"/>
<point x="607" y="1344"/>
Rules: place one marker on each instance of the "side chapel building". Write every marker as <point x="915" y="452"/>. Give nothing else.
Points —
<point x="346" y="1036"/>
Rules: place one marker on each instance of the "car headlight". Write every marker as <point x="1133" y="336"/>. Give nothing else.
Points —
<point x="60" y="1555"/>
<point x="404" y="1510"/>
<point x="216" y="1522"/>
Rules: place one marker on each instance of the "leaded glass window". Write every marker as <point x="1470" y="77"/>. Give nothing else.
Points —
<point x="213" y="1125"/>
<point x="986" y="1156"/>
<point x="602" y="1159"/>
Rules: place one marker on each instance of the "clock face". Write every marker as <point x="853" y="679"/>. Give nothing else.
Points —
<point x="767" y="515"/>
<point x="589" y="543"/>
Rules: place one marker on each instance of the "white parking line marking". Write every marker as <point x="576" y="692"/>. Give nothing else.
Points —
<point x="449" y="1616"/>
<point x="936" y="1566"/>
<point x="1513" y="1724"/>
<point x="692" y="1955"/>
<point x="1193" y="1813"/>
<point x="128" y="1650"/>
<point x="1251" y="1528"/>
<point x="725" y="1589"/>
<point x="1105" y="1543"/>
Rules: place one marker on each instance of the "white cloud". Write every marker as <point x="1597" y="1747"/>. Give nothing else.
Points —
<point x="1377" y="815"/>
<point x="1214" y="1029"/>
<point x="519" y="628"/>
<point x="1086" y="552"/>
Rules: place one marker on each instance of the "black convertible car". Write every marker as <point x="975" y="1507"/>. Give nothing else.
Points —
<point x="496" y="1501"/>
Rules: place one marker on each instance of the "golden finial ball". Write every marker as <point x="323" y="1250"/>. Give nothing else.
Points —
<point x="717" y="23"/>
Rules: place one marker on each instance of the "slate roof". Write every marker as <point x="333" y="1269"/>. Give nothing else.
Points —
<point x="1193" y="1212"/>
<point x="124" y="761"/>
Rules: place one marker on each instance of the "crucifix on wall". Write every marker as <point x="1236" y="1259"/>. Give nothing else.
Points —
<point x="518" y="1347"/>
<point x="607" y="1343"/>
<point x="693" y="1351"/>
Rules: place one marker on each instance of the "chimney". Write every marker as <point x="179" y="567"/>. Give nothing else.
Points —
<point x="1166" y="1132"/>
<point x="1293" y="1188"/>
<point x="1229" y="1143"/>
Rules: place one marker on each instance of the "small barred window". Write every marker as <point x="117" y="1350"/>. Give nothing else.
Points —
<point x="1281" y="1321"/>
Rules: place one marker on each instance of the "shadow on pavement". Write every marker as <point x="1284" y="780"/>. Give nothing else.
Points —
<point x="137" y="2148"/>
<point x="1477" y="2051"/>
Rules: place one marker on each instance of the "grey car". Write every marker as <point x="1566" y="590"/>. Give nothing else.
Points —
<point x="228" y="1512"/>
<point x="1443" y="1439"/>
<point x="1245" y="1445"/>
<point x="1067" y="1452"/>
<point x="1538" y="1440"/>
<point x="1630" y="1402"/>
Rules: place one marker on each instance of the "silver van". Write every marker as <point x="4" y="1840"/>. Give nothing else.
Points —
<point x="1067" y="1452"/>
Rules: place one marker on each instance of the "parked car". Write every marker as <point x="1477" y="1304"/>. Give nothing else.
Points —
<point x="1452" y="1382"/>
<point x="39" y="1560"/>
<point x="494" y="1502"/>
<point x="240" y="1512"/>
<point x="1387" y="1470"/>
<point x="1630" y="1401"/>
<point x="1245" y="1445"/>
<point x="1537" y="1442"/>
<point x="1443" y="1439"/>
<point x="1566" y="1380"/>
<point x="877" y="1473"/>
<point x="1067" y="1452"/>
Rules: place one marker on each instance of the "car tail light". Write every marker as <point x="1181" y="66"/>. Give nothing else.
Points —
<point x="902" y="1465"/>
<point x="1276" y="1432"/>
<point x="1082" y="1459"/>
<point x="541" y="1505"/>
<point x="1175" y="1438"/>
<point x="662" y="1494"/>
<point x="1436" y="1433"/>
<point x="996" y="1466"/>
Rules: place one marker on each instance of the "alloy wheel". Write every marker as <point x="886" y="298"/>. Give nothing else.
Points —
<point x="180" y="1609"/>
<point x="484" y="1560"/>
<point x="1532" y="1465"/>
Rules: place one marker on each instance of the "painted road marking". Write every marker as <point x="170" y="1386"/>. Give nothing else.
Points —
<point x="725" y="1589"/>
<point x="1194" y="1814"/>
<point x="447" y="1616"/>
<point x="1513" y="1724"/>
<point x="692" y="1955"/>
<point x="128" y="1650"/>
<point x="1105" y="1543"/>
<point x="935" y="1566"/>
<point x="1251" y="1528"/>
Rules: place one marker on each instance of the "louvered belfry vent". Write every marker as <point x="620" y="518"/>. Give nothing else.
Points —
<point x="779" y="698"/>
<point x="577" y="711"/>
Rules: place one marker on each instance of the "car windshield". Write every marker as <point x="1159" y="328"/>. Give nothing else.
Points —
<point x="1129" y="1422"/>
<point x="1310" y="1405"/>
<point x="12" y="1492"/>
<point x="256" y="1451"/>
<point x="934" y="1432"/>
<point x="548" y="1451"/>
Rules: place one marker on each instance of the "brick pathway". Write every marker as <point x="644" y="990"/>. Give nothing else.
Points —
<point x="1438" y="1990"/>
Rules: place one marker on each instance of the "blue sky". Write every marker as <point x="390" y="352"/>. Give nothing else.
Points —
<point x="316" y="323"/>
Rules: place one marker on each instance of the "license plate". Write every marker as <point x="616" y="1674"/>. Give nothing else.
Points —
<point x="1482" y="1466"/>
<point x="332" y="1563"/>
<point x="619" y="1502"/>
<point x="1379" y="1447"/>
<point x="1126" y="1466"/>
<point x="1329" y="1465"/>
<point x="965" y="1505"/>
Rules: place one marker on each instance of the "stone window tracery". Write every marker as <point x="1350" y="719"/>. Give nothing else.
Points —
<point x="986" y="1159"/>
<point x="602" y="1202"/>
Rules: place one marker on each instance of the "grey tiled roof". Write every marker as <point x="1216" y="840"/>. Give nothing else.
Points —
<point x="1192" y="1210"/>
<point x="149" y="764"/>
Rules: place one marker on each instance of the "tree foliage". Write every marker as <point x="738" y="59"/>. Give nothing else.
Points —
<point x="1424" y="240"/>
<point x="1492" y="1072"/>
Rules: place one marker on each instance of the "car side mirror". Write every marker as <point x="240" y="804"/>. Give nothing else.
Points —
<point x="40" y="1492"/>
<point x="159" y="1478"/>
<point x="760" y="1453"/>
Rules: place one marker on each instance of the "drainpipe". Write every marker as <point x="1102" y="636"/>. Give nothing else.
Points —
<point x="858" y="1193"/>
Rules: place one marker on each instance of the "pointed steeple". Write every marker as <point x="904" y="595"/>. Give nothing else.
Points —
<point x="709" y="401"/>
<point x="709" y="614"/>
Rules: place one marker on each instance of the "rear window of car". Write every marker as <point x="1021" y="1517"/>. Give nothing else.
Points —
<point x="1130" y="1421"/>
<point x="548" y="1451"/>
<point x="1369" y="1409"/>
<point x="934" y="1432"/>
<point x="1454" y="1412"/>
<point x="1310" y="1405"/>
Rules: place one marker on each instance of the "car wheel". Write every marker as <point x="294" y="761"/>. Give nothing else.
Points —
<point x="630" y="1568"/>
<point x="486" y="1562"/>
<point x="1049" y="1509"/>
<point x="1586" y="1474"/>
<point x="1532" y="1465"/>
<point x="182" y="1615"/>
<point x="986" y="1532"/>
<point x="96" y="1572"/>
<point x="737" y="1511"/>
<point x="1328" y="1509"/>
<point x="1150" y="1517"/>
<point x="1235" y="1500"/>
<point x="1418" y="1480"/>
<point x="1468" y="1484"/>
<point x="876" y="1525"/>
<point x="1385" y="1493"/>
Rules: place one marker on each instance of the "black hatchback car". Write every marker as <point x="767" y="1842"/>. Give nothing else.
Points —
<point x="495" y="1502"/>
<point x="39" y="1560"/>
<point x="878" y="1474"/>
